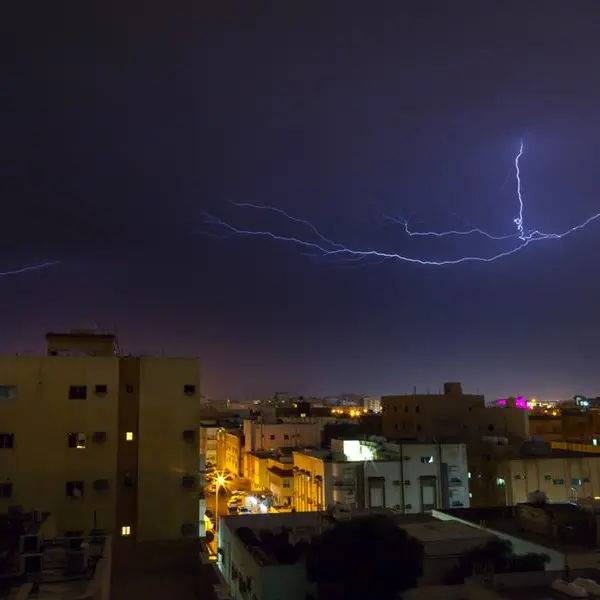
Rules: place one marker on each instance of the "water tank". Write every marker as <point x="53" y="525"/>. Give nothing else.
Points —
<point x="452" y="388"/>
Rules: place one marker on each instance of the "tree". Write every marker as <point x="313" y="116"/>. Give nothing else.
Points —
<point x="366" y="557"/>
<point x="498" y="556"/>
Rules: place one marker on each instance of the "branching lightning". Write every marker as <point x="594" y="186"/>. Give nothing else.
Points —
<point x="320" y="246"/>
<point x="28" y="269"/>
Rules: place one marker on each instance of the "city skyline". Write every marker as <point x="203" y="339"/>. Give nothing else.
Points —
<point x="339" y="117"/>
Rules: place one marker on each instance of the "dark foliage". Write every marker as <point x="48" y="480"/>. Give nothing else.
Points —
<point x="496" y="555"/>
<point x="368" y="557"/>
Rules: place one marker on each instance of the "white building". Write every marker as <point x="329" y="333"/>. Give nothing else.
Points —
<point x="252" y="572"/>
<point x="411" y="477"/>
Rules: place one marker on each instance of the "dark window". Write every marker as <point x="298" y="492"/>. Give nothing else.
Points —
<point x="189" y="389"/>
<point x="78" y="392"/>
<point x="5" y="490"/>
<point x="128" y="480"/>
<point x="547" y="477"/>
<point x="418" y="428"/>
<point x="286" y="437"/>
<point x="76" y="440"/>
<point x="417" y="409"/>
<point x="101" y="389"/>
<point x="129" y="388"/>
<point x="558" y="481"/>
<point x="426" y="459"/>
<point x="406" y="409"/>
<point x="272" y="437"/>
<point x="74" y="489"/>
<point x="7" y="440"/>
<point x="395" y="409"/>
<point x="490" y="427"/>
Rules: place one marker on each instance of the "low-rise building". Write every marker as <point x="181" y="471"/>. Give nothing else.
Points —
<point x="267" y="433"/>
<point x="229" y="451"/>
<point x="251" y="570"/>
<point x="410" y="477"/>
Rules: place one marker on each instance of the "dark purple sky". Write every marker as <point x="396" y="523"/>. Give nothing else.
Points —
<point x="120" y="130"/>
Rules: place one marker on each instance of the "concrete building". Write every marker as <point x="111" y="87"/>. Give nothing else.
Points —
<point x="564" y="476"/>
<point x="566" y="533"/>
<point x="412" y="477"/>
<point x="281" y="479"/>
<point x="250" y="570"/>
<point x="101" y="439"/>
<point x="268" y="433"/>
<point x="452" y="414"/>
<point x="208" y="440"/>
<point x="230" y="451"/>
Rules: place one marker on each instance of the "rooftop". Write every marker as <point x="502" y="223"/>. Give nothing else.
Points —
<point x="531" y="586"/>
<point x="505" y="519"/>
<point x="257" y="532"/>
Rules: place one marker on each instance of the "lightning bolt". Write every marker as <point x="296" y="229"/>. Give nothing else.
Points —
<point x="36" y="267"/>
<point x="325" y="247"/>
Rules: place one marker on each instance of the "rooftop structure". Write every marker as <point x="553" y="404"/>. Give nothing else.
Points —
<point x="35" y="563"/>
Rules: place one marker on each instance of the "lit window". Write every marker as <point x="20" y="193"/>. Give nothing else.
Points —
<point x="129" y="436"/>
<point x="125" y="530"/>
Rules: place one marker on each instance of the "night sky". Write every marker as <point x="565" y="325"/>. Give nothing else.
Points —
<point x="119" y="131"/>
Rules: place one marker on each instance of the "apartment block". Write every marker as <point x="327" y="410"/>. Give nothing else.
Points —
<point x="229" y="451"/>
<point x="102" y="440"/>
<point x="411" y="477"/>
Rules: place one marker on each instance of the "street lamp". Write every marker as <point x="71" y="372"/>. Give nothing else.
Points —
<point x="219" y="481"/>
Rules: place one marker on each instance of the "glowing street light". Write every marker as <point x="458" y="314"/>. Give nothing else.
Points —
<point x="220" y="481"/>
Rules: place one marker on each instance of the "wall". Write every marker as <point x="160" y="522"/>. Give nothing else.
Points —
<point x="429" y="415"/>
<point x="271" y="436"/>
<point x="562" y="479"/>
<point x="164" y="457"/>
<point x="41" y="463"/>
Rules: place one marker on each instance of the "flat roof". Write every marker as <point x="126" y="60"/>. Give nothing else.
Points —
<point x="503" y="519"/>
<point x="535" y="585"/>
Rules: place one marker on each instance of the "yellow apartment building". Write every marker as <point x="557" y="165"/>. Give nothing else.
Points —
<point x="102" y="440"/>
<point x="280" y="475"/>
<point x="229" y="451"/>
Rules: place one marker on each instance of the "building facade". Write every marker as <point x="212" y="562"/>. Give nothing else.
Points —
<point x="102" y="440"/>
<point x="269" y="435"/>
<point x="229" y="451"/>
<point x="412" y="478"/>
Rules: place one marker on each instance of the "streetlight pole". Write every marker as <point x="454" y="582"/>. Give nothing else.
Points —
<point x="219" y="482"/>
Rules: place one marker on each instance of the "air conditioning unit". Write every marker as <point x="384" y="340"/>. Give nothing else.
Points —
<point x="189" y="435"/>
<point x="29" y="544"/>
<point x="31" y="563"/>
<point x="188" y="482"/>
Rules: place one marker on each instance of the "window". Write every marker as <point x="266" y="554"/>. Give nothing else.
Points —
<point x="8" y="392"/>
<point x="558" y="481"/>
<point x="76" y="440"/>
<point x="426" y="460"/>
<point x="272" y="437"/>
<point x="417" y="409"/>
<point x="74" y="489"/>
<point x="5" y="490"/>
<point x="100" y="389"/>
<point x="547" y="477"/>
<point x="128" y="480"/>
<point x="129" y="436"/>
<point x="490" y="427"/>
<point x="7" y="440"/>
<point x="129" y="388"/>
<point x="126" y="530"/>
<point x="189" y="389"/>
<point x="78" y="392"/>
<point x="287" y="484"/>
<point x="406" y="409"/>
<point x="286" y="437"/>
